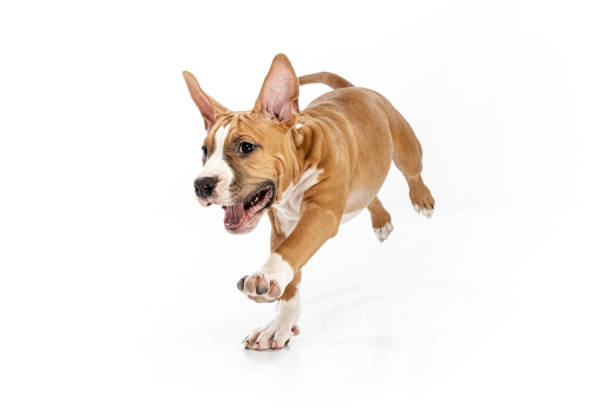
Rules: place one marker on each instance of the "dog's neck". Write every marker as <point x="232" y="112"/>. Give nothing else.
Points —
<point x="309" y="149"/>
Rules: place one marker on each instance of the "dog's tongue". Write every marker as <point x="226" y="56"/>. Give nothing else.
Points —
<point x="234" y="215"/>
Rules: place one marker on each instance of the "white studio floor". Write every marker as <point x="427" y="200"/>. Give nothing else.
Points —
<point x="442" y="314"/>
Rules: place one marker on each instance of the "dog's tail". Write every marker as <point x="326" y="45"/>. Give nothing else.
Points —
<point x="332" y="80"/>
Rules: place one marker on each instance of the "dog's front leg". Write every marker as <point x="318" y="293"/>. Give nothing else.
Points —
<point x="279" y="278"/>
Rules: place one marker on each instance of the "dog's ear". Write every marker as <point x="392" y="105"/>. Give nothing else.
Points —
<point x="278" y="98"/>
<point x="209" y="108"/>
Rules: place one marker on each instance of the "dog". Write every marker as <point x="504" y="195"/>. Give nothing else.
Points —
<point x="310" y="170"/>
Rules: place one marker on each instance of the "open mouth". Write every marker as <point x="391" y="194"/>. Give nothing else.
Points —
<point x="241" y="214"/>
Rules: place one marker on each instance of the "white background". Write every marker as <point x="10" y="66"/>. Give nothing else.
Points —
<point x="118" y="290"/>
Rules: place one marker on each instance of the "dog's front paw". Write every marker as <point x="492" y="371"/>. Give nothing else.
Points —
<point x="259" y="287"/>
<point x="269" y="283"/>
<point x="274" y="335"/>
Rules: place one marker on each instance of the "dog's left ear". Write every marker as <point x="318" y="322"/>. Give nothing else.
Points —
<point x="209" y="108"/>
<point x="278" y="98"/>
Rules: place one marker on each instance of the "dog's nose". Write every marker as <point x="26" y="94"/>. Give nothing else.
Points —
<point x="204" y="186"/>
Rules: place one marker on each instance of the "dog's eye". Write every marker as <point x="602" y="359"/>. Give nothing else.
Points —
<point x="246" y="147"/>
<point x="204" y="152"/>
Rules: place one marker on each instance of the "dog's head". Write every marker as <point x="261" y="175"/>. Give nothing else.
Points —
<point x="248" y="156"/>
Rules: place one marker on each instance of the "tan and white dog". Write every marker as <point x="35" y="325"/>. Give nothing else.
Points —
<point x="311" y="170"/>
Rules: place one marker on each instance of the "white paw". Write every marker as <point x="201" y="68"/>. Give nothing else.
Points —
<point x="423" y="211"/>
<point x="276" y="334"/>
<point x="269" y="283"/>
<point x="383" y="232"/>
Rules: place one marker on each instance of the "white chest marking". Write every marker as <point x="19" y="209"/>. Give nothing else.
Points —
<point x="216" y="166"/>
<point x="287" y="210"/>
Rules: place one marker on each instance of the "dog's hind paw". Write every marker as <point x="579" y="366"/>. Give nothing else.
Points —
<point x="383" y="232"/>
<point x="422" y="200"/>
<point x="427" y="212"/>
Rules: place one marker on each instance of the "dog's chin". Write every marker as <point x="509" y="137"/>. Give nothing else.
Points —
<point x="246" y="226"/>
<point x="244" y="216"/>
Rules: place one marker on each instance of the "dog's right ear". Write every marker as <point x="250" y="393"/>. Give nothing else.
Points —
<point x="278" y="98"/>
<point x="209" y="108"/>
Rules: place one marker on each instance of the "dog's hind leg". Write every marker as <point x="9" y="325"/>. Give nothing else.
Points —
<point x="407" y="156"/>
<point x="381" y="220"/>
<point x="422" y="200"/>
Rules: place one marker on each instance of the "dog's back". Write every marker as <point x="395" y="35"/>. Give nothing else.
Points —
<point x="377" y="140"/>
